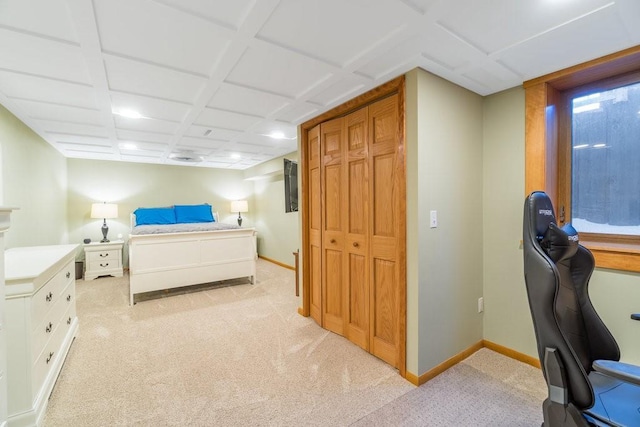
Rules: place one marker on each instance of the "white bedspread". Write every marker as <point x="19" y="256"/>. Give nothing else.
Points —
<point x="182" y="228"/>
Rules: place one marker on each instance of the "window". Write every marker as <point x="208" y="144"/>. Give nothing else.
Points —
<point x="604" y="145"/>
<point x="582" y="147"/>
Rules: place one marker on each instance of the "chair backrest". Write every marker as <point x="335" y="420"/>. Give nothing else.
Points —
<point x="557" y="270"/>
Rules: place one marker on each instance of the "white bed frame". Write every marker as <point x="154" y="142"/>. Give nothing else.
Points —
<point x="172" y="260"/>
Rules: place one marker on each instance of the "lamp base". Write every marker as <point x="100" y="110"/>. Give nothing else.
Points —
<point x="239" y="220"/>
<point x="105" y="230"/>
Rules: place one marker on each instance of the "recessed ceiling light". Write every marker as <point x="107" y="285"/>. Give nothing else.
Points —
<point x="130" y="114"/>
<point x="128" y="146"/>
<point x="277" y="135"/>
<point x="235" y="156"/>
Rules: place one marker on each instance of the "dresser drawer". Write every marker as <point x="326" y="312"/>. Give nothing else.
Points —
<point x="48" y="295"/>
<point x="110" y="256"/>
<point x="52" y="320"/>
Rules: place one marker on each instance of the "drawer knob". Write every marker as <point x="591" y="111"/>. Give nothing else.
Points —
<point x="106" y="264"/>
<point x="48" y="328"/>
<point x="69" y="320"/>
<point x="50" y="356"/>
<point x="49" y="297"/>
<point x="68" y="297"/>
<point x="104" y="255"/>
<point x="68" y="274"/>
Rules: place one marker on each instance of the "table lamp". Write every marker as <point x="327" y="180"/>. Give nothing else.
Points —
<point x="104" y="211"/>
<point x="239" y="206"/>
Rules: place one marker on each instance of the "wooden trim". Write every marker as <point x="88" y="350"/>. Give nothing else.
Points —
<point x="438" y="369"/>
<point x="601" y="68"/>
<point x="273" y="261"/>
<point x="303" y="137"/>
<point x="452" y="361"/>
<point x="544" y="164"/>
<point x="375" y="94"/>
<point x="506" y="351"/>
<point x="402" y="229"/>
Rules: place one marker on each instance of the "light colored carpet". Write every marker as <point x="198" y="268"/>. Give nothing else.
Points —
<point x="239" y="354"/>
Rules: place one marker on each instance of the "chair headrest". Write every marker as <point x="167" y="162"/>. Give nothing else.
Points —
<point x="541" y="212"/>
<point x="560" y="243"/>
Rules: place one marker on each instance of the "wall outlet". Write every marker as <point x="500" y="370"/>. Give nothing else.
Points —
<point x="480" y="305"/>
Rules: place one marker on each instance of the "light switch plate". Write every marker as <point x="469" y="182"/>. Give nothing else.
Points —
<point x="433" y="219"/>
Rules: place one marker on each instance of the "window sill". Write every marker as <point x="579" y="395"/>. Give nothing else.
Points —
<point x="616" y="256"/>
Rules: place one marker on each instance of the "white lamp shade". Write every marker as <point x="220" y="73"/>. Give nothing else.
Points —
<point x="104" y="210"/>
<point x="239" y="206"/>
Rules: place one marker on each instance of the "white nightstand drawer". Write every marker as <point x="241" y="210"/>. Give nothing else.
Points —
<point x="103" y="259"/>
<point x="98" y="267"/>
<point x="100" y="256"/>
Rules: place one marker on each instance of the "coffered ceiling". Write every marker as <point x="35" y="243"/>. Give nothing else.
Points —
<point x="213" y="79"/>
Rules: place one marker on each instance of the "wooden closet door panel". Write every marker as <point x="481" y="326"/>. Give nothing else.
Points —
<point x="384" y="190"/>
<point x="357" y="223"/>
<point x="315" y="226"/>
<point x="333" y="287"/>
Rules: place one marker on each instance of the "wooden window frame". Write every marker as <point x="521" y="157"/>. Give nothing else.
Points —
<point x="545" y="153"/>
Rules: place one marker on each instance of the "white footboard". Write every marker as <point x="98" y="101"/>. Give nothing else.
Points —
<point x="165" y="261"/>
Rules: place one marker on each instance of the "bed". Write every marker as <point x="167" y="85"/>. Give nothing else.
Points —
<point x="183" y="245"/>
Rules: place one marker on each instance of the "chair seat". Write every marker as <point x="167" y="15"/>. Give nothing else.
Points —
<point x="613" y="398"/>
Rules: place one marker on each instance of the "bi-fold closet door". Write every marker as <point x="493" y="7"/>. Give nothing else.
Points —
<point x="353" y="229"/>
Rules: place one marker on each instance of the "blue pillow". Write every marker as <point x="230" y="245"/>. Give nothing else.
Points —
<point x="193" y="213"/>
<point x="149" y="216"/>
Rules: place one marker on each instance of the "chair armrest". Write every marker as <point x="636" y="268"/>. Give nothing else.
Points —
<point x="619" y="370"/>
<point x="635" y="316"/>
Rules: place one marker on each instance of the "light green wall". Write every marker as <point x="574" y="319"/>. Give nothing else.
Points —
<point x="507" y="320"/>
<point x="34" y="179"/>
<point x="278" y="231"/>
<point x="444" y="173"/>
<point x="134" y="185"/>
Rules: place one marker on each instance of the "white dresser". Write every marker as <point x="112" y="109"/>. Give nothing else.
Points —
<point x="103" y="259"/>
<point x="41" y="324"/>
<point x="5" y="214"/>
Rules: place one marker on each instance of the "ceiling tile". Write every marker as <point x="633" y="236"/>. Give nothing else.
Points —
<point x="90" y="148"/>
<point x="316" y="29"/>
<point x="226" y="119"/>
<point x="343" y="90"/>
<point x="138" y="78"/>
<point x="544" y="54"/>
<point x="15" y="85"/>
<point x="146" y="125"/>
<point x="295" y="114"/>
<point x="39" y="110"/>
<point x="52" y="19"/>
<point x="168" y="37"/>
<point x="64" y="138"/>
<point x="42" y="57"/>
<point x="138" y="136"/>
<point x="247" y="101"/>
<point x="281" y="72"/>
<point x="489" y="31"/>
<point x="215" y="133"/>
<point x="149" y="107"/>
<point x="223" y="12"/>
<point x="71" y="128"/>
<point x="201" y="143"/>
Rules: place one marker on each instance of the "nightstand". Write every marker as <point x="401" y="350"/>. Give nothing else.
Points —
<point x="103" y="259"/>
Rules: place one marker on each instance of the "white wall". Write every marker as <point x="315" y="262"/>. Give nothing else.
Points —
<point x="278" y="231"/>
<point x="444" y="173"/>
<point x="34" y="179"/>
<point x="134" y="185"/>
